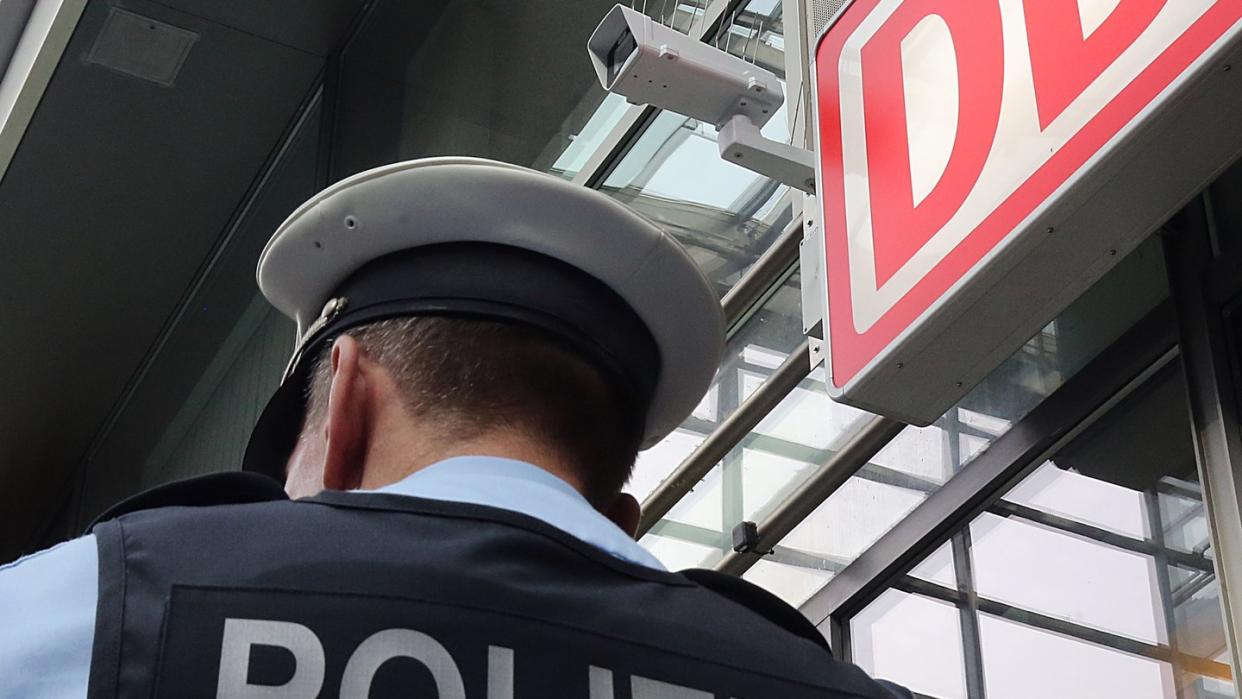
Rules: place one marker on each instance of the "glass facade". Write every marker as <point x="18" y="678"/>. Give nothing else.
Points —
<point x="912" y="640"/>
<point x="921" y="459"/>
<point x="1108" y="578"/>
<point x="725" y="215"/>
<point x="723" y="498"/>
<point x="1098" y="563"/>
<point x="1090" y="567"/>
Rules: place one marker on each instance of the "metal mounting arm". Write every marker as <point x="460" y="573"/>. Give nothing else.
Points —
<point x="741" y="142"/>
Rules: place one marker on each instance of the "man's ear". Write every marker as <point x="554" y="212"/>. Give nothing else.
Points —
<point x="347" y="425"/>
<point x="624" y="511"/>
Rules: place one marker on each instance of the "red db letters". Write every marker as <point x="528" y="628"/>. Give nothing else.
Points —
<point x="945" y="125"/>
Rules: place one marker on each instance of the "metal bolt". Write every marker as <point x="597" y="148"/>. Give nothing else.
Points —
<point x="1051" y="229"/>
<point x="958" y="384"/>
<point x="901" y="365"/>
<point x="1111" y="253"/>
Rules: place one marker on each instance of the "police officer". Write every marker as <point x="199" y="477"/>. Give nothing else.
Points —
<point x="482" y="350"/>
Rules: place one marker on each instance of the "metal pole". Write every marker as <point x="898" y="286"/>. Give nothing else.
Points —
<point x="877" y="432"/>
<point x="1164" y="585"/>
<point x="756" y="286"/>
<point x="731" y="431"/>
<point x="968" y="614"/>
<point x="1213" y="403"/>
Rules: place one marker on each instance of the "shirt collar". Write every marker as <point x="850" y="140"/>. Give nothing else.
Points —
<point x="524" y="488"/>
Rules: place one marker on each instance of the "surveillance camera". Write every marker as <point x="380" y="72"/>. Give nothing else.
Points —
<point x="649" y="63"/>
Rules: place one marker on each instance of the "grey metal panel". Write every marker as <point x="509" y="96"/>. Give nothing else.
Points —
<point x="117" y="193"/>
<point x="13" y="16"/>
<point x="313" y="26"/>
<point x="819" y="14"/>
<point x="205" y="339"/>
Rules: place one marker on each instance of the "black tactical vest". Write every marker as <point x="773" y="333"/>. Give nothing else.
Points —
<point x="377" y="595"/>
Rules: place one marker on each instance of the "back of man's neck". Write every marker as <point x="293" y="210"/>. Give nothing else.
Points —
<point x="395" y="463"/>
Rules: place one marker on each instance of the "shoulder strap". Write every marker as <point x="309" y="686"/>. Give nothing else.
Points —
<point x="228" y="488"/>
<point x="760" y="601"/>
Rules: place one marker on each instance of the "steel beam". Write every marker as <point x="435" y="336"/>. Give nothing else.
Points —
<point x="857" y="451"/>
<point x="764" y="277"/>
<point x="1147" y="347"/>
<point x="731" y="431"/>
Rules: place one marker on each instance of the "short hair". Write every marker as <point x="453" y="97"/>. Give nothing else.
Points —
<point x="469" y="376"/>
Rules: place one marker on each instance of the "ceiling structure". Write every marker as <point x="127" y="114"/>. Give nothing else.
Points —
<point x="171" y="140"/>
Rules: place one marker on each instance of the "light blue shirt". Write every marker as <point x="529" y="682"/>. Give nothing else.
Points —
<point x="47" y="599"/>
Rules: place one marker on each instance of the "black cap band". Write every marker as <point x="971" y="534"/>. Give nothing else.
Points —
<point x="479" y="280"/>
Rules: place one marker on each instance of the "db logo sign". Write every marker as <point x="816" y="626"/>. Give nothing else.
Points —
<point x="946" y="126"/>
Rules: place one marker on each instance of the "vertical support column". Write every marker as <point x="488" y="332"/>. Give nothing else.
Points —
<point x="1155" y="520"/>
<point x="964" y="573"/>
<point x="839" y="639"/>
<point x="968" y="609"/>
<point x="732" y="510"/>
<point x="1213" y="404"/>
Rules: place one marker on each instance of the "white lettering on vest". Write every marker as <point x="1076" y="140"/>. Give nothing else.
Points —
<point x="401" y="643"/>
<point x="241" y="634"/>
<point x="499" y="672"/>
<point x="643" y="688"/>
<point x="600" y="682"/>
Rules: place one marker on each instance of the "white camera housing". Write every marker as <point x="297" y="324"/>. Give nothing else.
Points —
<point x="649" y="63"/>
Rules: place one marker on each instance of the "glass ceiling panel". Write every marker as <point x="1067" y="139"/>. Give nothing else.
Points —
<point x="585" y="129"/>
<point x="802" y="432"/>
<point x="757" y="33"/>
<point x="750" y="357"/>
<point x="725" y="215"/>
<point x="794" y="584"/>
<point x="914" y="641"/>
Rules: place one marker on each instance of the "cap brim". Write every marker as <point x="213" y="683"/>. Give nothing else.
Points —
<point x="276" y="433"/>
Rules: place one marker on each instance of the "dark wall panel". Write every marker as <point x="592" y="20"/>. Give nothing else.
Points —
<point x="117" y="194"/>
